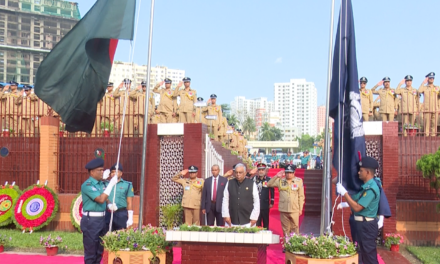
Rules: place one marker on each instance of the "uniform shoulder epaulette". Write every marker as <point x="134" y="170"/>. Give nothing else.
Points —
<point x="298" y="179"/>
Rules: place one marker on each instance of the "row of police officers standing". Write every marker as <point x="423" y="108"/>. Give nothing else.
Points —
<point x="409" y="105"/>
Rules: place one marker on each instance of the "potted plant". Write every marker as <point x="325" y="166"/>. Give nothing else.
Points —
<point x="428" y="165"/>
<point x="411" y="129"/>
<point x="4" y="240"/>
<point x="212" y="136"/>
<point x="295" y="243"/>
<point x="62" y="129"/>
<point x="51" y="244"/>
<point x="133" y="244"/>
<point x="6" y="132"/>
<point x="392" y="241"/>
<point x="106" y="128"/>
<point x="171" y="214"/>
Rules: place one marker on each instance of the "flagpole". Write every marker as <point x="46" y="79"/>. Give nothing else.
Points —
<point x="144" y="141"/>
<point x="326" y="152"/>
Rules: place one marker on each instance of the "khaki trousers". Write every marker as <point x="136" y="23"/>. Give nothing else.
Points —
<point x="186" y="117"/>
<point x="408" y="119"/>
<point x="166" y="117"/>
<point x="12" y="123"/>
<point x="139" y="125"/>
<point x="430" y="124"/>
<point x="387" y="117"/>
<point x="27" y="127"/>
<point x="214" y="130"/>
<point x="192" y="216"/>
<point x="289" y="222"/>
<point x="366" y="117"/>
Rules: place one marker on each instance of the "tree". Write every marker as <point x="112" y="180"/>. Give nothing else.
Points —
<point x="249" y="126"/>
<point x="429" y="166"/>
<point x="305" y="142"/>
<point x="225" y="108"/>
<point x="268" y="133"/>
<point x="232" y="120"/>
<point x="320" y="136"/>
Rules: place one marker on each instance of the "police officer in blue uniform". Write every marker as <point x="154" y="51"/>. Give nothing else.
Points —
<point x="94" y="196"/>
<point x="365" y="205"/>
<point x="267" y="195"/>
<point x="122" y="205"/>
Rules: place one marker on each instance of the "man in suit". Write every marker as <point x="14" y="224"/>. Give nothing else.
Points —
<point x="212" y="197"/>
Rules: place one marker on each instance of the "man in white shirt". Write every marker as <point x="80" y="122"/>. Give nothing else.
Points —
<point x="241" y="202"/>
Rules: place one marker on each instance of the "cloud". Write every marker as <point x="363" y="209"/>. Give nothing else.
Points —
<point x="279" y="60"/>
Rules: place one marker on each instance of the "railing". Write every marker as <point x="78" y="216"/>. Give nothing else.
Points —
<point x="212" y="158"/>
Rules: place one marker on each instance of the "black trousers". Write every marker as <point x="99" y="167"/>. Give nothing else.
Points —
<point x="366" y="233"/>
<point x="352" y="223"/>
<point x="303" y="166"/>
<point x="92" y="228"/>
<point x="213" y="215"/>
<point x="263" y="218"/>
<point x="120" y="218"/>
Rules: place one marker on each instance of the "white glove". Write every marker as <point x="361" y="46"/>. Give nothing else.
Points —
<point x="110" y="185"/>
<point x="342" y="205"/>
<point x="130" y="218"/>
<point x="340" y="189"/>
<point x="112" y="207"/>
<point x="380" y="222"/>
<point x="106" y="174"/>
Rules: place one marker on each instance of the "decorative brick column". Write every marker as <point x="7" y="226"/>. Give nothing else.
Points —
<point x="390" y="152"/>
<point x="194" y="146"/>
<point x="49" y="146"/>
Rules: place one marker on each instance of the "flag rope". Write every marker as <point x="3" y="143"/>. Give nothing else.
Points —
<point x="127" y="87"/>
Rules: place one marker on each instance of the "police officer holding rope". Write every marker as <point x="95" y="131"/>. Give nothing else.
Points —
<point x="365" y="205"/>
<point x="122" y="204"/>
<point x="94" y="196"/>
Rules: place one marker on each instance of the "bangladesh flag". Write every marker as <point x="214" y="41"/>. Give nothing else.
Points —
<point x="72" y="79"/>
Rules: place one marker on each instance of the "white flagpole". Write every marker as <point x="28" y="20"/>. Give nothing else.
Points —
<point x="325" y="199"/>
<point x="144" y="142"/>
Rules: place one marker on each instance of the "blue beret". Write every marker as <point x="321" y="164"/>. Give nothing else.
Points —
<point x="386" y="79"/>
<point x="168" y="80"/>
<point x="213" y="96"/>
<point x="408" y="78"/>
<point x="363" y="79"/>
<point x="193" y="168"/>
<point x="186" y="79"/>
<point x="430" y="75"/>
<point x="110" y="84"/>
<point x="199" y="99"/>
<point x="290" y="168"/>
<point x="95" y="163"/>
<point x="368" y="162"/>
<point x="119" y="167"/>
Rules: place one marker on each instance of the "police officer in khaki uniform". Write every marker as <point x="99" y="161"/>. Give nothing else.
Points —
<point x="188" y="97"/>
<point x="214" y="110"/>
<point x="376" y="105"/>
<point x="198" y="117"/>
<point x="129" y="109"/>
<point x="108" y="109"/>
<point x="223" y="128"/>
<point x="410" y="101"/>
<point x="166" y="107"/>
<point x="387" y="105"/>
<point x="291" y="203"/>
<point x="28" y="112"/>
<point x="366" y="99"/>
<point x="431" y="100"/>
<point x="13" y="101"/>
<point x="234" y="138"/>
<point x="155" y="117"/>
<point x="192" y="194"/>
<point x="138" y="98"/>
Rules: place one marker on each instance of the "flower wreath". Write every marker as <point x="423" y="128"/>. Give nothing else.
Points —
<point x="76" y="211"/>
<point x="35" y="208"/>
<point x="8" y="196"/>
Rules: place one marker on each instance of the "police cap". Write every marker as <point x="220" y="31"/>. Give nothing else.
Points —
<point x="110" y="84"/>
<point x="95" y="163"/>
<point x="290" y="168"/>
<point x="386" y="79"/>
<point x="143" y="83"/>
<point x="193" y="168"/>
<point x="27" y="87"/>
<point x="168" y="80"/>
<point x="261" y="165"/>
<point x="199" y="99"/>
<point x="126" y="81"/>
<point x="363" y="79"/>
<point x="368" y="162"/>
<point x="119" y="167"/>
<point x="408" y="78"/>
<point x="430" y="75"/>
<point x="213" y="96"/>
<point x="13" y="83"/>
<point x="186" y="79"/>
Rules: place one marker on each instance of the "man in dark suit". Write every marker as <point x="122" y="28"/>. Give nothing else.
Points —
<point x="264" y="191"/>
<point x="212" y="197"/>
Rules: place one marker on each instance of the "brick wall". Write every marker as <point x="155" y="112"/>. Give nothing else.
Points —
<point x="196" y="252"/>
<point x="418" y="222"/>
<point x="49" y="142"/>
<point x="194" y="146"/>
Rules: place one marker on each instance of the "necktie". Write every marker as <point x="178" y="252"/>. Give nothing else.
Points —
<point x="214" y="195"/>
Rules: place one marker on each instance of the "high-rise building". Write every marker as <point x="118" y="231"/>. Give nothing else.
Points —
<point x="138" y="73"/>
<point x="321" y="119"/>
<point x="258" y="109"/>
<point x="29" y="29"/>
<point x="297" y="103"/>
